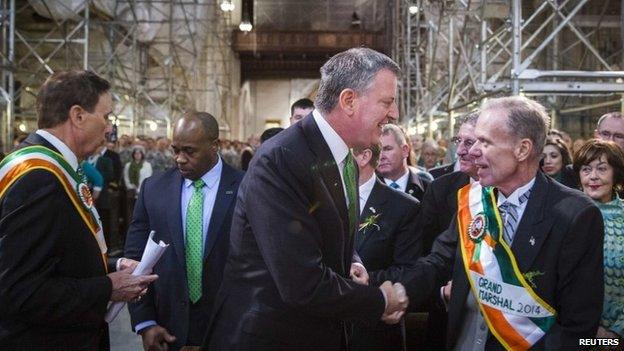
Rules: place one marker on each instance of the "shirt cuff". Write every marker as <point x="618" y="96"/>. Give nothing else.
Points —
<point x="385" y="299"/>
<point x="143" y="325"/>
<point x="118" y="264"/>
<point x="97" y="188"/>
<point x="443" y="299"/>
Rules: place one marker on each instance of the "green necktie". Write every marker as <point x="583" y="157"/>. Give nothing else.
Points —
<point x="194" y="236"/>
<point x="348" y="172"/>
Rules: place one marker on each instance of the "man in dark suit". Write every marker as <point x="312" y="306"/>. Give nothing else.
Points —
<point x="286" y="284"/>
<point x="393" y="167"/>
<point x="553" y="233"/>
<point x="54" y="280"/>
<point x="176" y="310"/>
<point x="439" y="207"/>
<point x="387" y="242"/>
<point x="103" y="203"/>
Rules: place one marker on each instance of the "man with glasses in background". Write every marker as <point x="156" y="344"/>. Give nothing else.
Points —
<point x="611" y="127"/>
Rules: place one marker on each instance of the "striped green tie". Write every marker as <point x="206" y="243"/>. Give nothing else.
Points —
<point x="348" y="172"/>
<point x="194" y="236"/>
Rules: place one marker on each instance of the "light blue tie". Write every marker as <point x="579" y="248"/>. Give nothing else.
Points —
<point x="394" y="185"/>
<point x="509" y="214"/>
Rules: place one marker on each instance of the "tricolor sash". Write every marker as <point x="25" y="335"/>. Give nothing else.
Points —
<point x="31" y="158"/>
<point x="514" y="313"/>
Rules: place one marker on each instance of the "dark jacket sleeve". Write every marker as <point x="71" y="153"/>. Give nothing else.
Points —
<point x="137" y="237"/>
<point x="407" y="248"/>
<point x="433" y="270"/>
<point x="33" y="221"/>
<point x="281" y="197"/>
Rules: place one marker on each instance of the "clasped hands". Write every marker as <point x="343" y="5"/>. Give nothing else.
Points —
<point x="396" y="297"/>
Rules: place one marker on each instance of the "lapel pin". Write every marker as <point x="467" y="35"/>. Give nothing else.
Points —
<point x="335" y="184"/>
<point x="532" y="241"/>
<point x="229" y="192"/>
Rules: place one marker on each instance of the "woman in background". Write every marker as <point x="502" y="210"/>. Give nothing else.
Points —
<point x="555" y="158"/>
<point x="600" y="166"/>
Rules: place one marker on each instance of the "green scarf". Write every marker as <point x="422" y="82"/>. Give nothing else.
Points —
<point x="134" y="171"/>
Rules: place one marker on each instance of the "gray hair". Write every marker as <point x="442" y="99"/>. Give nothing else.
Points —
<point x="617" y="115"/>
<point x="526" y="119"/>
<point x="470" y="118"/>
<point x="351" y="69"/>
<point x="397" y="133"/>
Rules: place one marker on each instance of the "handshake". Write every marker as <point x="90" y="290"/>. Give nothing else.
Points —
<point x="396" y="302"/>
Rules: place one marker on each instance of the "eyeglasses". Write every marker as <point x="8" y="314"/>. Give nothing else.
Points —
<point x="467" y="142"/>
<point x="605" y="134"/>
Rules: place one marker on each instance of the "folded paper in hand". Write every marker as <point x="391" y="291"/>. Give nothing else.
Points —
<point x="152" y="253"/>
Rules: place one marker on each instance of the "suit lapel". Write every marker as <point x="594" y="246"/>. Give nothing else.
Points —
<point x="534" y="226"/>
<point x="173" y="197"/>
<point x="225" y="196"/>
<point x="327" y="167"/>
<point x="376" y="200"/>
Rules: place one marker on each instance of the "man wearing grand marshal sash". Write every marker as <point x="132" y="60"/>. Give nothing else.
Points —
<point x="54" y="274"/>
<point x="525" y="252"/>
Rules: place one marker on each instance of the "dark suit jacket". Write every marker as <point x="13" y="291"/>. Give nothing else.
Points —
<point x="567" y="229"/>
<point x="53" y="284"/>
<point x="158" y="209"/>
<point x="286" y="284"/>
<point x="439" y="171"/>
<point x="104" y="165"/>
<point x="117" y="166"/>
<point x="439" y="206"/>
<point x="387" y="249"/>
<point x="416" y="185"/>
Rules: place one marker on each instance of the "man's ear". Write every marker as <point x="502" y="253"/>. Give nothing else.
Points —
<point x="405" y="150"/>
<point x="77" y="115"/>
<point x="524" y="149"/>
<point x="346" y="101"/>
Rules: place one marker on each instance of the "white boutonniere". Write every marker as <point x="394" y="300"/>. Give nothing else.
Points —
<point x="370" y="221"/>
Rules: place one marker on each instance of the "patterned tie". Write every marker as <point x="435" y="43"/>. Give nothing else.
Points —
<point x="394" y="185"/>
<point x="509" y="214"/>
<point x="348" y="172"/>
<point x="194" y="236"/>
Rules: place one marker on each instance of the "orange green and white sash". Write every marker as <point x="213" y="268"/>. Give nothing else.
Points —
<point x="31" y="158"/>
<point x="516" y="316"/>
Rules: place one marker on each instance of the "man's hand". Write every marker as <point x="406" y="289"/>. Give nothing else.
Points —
<point x="396" y="302"/>
<point x="126" y="263"/>
<point x="446" y="290"/>
<point x="156" y="338"/>
<point x="127" y="287"/>
<point x="359" y="273"/>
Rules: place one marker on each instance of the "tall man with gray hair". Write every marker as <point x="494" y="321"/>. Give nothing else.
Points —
<point x="528" y="272"/>
<point x="287" y="282"/>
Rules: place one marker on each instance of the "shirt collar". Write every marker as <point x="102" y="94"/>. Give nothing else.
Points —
<point x="367" y="187"/>
<point x="69" y="155"/>
<point x="401" y="182"/>
<point x="337" y="146"/>
<point x="514" y="198"/>
<point x="211" y="177"/>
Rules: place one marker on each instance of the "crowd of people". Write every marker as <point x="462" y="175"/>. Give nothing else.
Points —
<point x="325" y="235"/>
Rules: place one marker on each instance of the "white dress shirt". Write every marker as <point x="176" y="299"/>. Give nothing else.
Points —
<point x="365" y="191"/>
<point x="337" y="146"/>
<point x="69" y="155"/>
<point x="514" y="199"/>
<point x="402" y="181"/>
